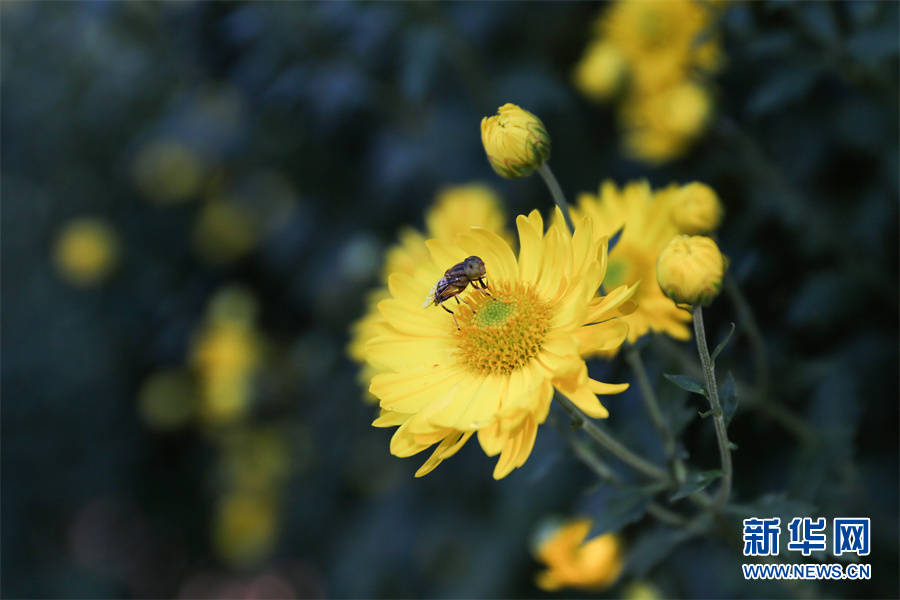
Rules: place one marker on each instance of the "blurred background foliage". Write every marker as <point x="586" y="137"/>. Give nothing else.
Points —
<point x="195" y="201"/>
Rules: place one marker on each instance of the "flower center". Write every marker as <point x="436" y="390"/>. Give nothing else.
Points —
<point x="504" y="332"/>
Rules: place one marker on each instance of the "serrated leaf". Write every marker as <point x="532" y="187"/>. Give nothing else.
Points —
<point x="688" y="384"/>
<point x="695" y="481"/>
<point x="728" y="397"/>
<point x="722" y="344"/>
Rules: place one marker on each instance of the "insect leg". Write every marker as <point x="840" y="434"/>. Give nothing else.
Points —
<point x="484" y="287"/>
<point x="451" y="314"/>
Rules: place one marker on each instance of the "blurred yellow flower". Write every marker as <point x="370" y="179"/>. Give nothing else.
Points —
<point x="647" y="230"/>
<point x="690" y="270"/>
<point x="516" y="141"/>
<point x="601" y="71"/>
<point x="663" y="42"/>
<point x="666" y="51"/>
<point x="225" y="355"/>
<point x="86" y="251"/>
<point x="695" y="207"/>
<point x="641" y="590"/>
<point x="255" y="458"/>
<point x="496" y="374"/>
<point x="572" y="562"/>
<point x="167" y="171"/>
<point x="245" y="527"/>
<point x="456" y="209"/>
<point x="167" y="399"/>
<point x="224" y="232"/>
<point x="660" y="126"/>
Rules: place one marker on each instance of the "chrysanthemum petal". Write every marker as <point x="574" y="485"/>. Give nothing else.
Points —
<point x="410" y="391"/>
<point x="506" y="462"/>
<point x="389" y="418"/>
<point x="587" y="402"/>
<point x="527" y="435"/>
<point x="404" y="444"/>
<point x="531" y="231"/>
<point x="399" y="352"/>
<point x="601" y="337"/>
<point x="583" y="245"/>
<point x="598" y="387"/>
<point x="604" y="307"/>
<point x="445" y="254"/>
<point x="555" y="261"/>
<point x="413" y="320"/>
<point x="459" y="407"/>
<point x="499" y="260"/>
<point x="491" y="439"/>
<point x="447" y="448"/>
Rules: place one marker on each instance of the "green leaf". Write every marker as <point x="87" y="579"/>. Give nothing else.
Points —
<point x="728" y="397"/>
<point x="686" y="383"/>
<point x="722" y="344"/>
<point x="695" y="481"/>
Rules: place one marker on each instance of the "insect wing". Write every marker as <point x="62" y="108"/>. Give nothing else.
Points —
<point x="429" y="300"/>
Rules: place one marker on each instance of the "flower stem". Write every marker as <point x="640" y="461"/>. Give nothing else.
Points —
<point x="633" y="357"/>
<point x="557" y="193"/>
<point x="712" y="394"/>
<point x="610" y="443"/>
<point x="588" y="456"/>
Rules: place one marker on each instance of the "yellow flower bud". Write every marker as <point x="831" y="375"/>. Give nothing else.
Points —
<point x="690" y="269"/>
<point x="600" y="72"/>
<point x="696" y="209"/>
<point x="516" y="142"/>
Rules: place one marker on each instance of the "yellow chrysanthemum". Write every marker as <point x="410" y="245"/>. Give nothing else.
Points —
<point x="662" y="42"/>
<point x="86" y="251"/>
<point x="496" y="373"/>
<point x="572" y="562"/>
<point x="660" y="126"/>
<point x="601" y="71"/>
<point x="647" y="230"/>
<point x="455" y="210"/>
<point x="665" y="50"/>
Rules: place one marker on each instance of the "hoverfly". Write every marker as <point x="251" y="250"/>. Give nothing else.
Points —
<point x="455" y="280"/>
